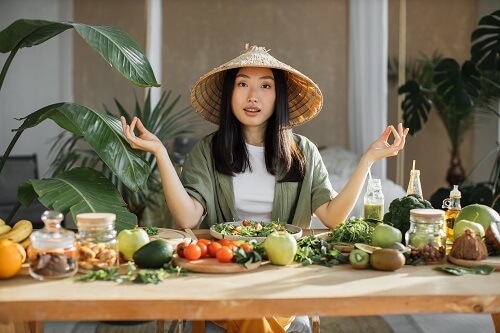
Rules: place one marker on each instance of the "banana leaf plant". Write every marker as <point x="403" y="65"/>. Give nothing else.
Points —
<point x="456" y="91"/>
<point x="159" y="120"/>
<point x="84" y="189"/>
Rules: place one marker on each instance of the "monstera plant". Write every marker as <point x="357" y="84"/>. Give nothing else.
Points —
<point x="456" y="91"/>
<point x="84" y="189"/>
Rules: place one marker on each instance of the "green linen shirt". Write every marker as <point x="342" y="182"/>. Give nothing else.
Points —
<point x="294" y="202"/>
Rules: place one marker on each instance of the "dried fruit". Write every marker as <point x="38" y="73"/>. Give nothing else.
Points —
<point x="469" y="247"/>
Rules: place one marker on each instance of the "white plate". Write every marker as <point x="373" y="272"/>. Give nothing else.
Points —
<point x="295" y="231"/>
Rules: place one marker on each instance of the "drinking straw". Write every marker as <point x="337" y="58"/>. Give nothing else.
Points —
<point x="413" y="165"/>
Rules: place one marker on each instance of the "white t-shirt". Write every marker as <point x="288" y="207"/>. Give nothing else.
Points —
<point x="254" y="190"/>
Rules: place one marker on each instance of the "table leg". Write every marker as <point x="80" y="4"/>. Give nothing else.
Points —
<point x="496" y="321"/>
<point x="21" y="327"/>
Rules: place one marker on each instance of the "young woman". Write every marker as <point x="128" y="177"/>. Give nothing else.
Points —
<point x="254" y="166"/>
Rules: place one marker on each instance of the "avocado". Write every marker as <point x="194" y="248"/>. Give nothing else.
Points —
<point x="154" y="254"/>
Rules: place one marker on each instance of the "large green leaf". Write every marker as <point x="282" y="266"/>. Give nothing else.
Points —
<point x="457" y="86"/>
<point x="485" y="51"/>
<point x="416" y="106"/>
<point x="103" y="132"/>
<point x="113" y="44"/>
<point x="83" y="190"/>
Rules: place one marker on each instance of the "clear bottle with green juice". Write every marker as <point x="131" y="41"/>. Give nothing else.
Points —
<point x="374" y="200"/>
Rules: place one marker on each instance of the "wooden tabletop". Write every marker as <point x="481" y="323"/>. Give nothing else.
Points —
<point x="269" y="290"/>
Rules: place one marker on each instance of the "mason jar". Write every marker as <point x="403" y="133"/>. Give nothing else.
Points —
<point x="97" y="243"/>
<point x="426" y="235"/>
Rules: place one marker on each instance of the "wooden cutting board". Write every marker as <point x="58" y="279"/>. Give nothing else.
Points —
<point x="211" y="265"/>
<point x="173" y="236"/>
<point x="490" y="261"/>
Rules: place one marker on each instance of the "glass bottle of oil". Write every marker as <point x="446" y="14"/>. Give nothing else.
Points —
<point x="452" y="206"/>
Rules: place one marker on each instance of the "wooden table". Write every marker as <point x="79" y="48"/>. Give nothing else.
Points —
<point x="269" y="290"/>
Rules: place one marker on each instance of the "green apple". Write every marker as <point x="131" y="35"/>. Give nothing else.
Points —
<point x="384" y="235"/>
<point x="130" y="240"/>
<point x="280" y="248"/>
<point x="461" y="225"/>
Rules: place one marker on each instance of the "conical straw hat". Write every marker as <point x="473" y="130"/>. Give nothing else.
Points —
<point x="304" y="97"/>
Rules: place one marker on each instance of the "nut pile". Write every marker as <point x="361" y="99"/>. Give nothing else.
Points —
<point x="52" y="263"/>
<point x="97" y="256"/>
<point x="428" y="253"/>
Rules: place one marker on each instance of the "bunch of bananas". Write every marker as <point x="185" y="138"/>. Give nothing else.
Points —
<point x="19" y="233"/>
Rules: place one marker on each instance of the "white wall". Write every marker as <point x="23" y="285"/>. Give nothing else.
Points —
<point x="38" y="76"/>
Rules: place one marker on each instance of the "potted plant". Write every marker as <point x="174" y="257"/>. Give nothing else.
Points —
<point x="158" y="120"/>
<point x="84" y="189"/>
<point x="456" y="91"/>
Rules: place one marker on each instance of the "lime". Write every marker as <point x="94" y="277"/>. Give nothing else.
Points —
<point x="154" y="254"/>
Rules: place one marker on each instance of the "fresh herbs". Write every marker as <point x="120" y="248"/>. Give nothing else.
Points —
<point x="312" y="250"/>
<point x="354" y="230"/>
<point x="151" y="231"/>
<point x="147" y="276"/>
<point x="245" y="257"/>
<point x="481" y="269"/>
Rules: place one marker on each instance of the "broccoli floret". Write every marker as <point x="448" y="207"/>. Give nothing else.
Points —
<point x="399" y="211"/>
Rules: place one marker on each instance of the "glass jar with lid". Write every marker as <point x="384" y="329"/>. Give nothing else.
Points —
<point x="53" y="253"/>
<point x="426" y="236"/>
<point x="97" y="243"/>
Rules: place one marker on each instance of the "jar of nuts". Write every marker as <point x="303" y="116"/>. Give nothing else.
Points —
<point x="97" y="243"/>
<point x="426" y="237"/>
<point x="52" y="253"/>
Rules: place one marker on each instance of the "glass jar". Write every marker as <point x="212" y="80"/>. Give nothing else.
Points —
<point x="426" y="235"/>
<point x="414" y="185"/>
<point x="97" y="243"/>
<point x="53" y="252"/>
<point x="374" y="200"/>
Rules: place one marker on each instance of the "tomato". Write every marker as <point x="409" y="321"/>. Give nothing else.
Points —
<point x="224" y="242"/>
<point x="247" y="247"/>
<point x="245" y="223"/>
<point x="192" y="252"/>
<point x="204" y="249"/>
<point x="234" y="245"/>
<point x="180" y="249"/>
<point x="224" y="254"/>
<point x="204" y="240"/>
<point x="212" y="248"/>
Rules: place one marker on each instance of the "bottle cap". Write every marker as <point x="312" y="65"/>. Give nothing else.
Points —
<point x="455" y="193"/>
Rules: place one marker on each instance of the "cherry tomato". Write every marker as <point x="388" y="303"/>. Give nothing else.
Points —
<point x="204" y="249"/>
<point x="245" y="223"/>
<point x="224" y="242"/>
<point x="224" y="254"/>
<point x="212" y="248"/>
<point x="180" y="249"/>
<point x="234" y="245"/>
<point x="204" y="240"/>
<point x="192" y="252"/>
<point x="247" y="247"/>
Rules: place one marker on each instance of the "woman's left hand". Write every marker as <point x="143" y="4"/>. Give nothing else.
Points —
<point x="382" y="148"/>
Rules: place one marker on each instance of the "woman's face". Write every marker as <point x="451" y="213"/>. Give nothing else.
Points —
<point x="254" y="96"/>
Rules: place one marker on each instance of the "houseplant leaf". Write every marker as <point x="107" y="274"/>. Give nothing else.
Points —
<point x="457" y="86"/>
<point x="113" y="44"/>
<point x="485" y="51"/>
<point x="416" y="106"/>
<point x="103" y="132"/>
<point x="82" y="190"/>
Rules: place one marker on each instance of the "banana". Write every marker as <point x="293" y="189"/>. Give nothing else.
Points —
<point x="19" y="232"/>
<point x="2" y="222"/>
<point x="25" y="243"/>
<point x="4" y="229"/>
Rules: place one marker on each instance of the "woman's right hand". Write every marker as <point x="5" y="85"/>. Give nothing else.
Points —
<point x="146" y="140"/>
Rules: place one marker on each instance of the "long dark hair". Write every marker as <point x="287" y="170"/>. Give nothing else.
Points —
<point x="280" y="149"/>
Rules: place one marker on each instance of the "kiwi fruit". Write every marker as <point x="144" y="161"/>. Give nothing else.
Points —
<point x="387" y="259"/>
<point x="359" y="259"/>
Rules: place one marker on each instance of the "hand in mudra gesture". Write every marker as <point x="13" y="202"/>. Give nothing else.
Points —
<point x="146" y="140"/>
<point x="383" y="148"/>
